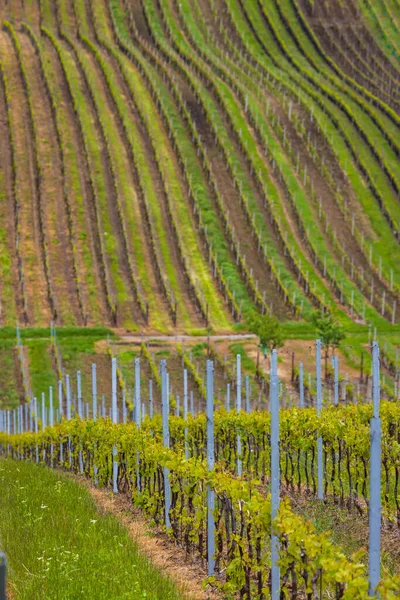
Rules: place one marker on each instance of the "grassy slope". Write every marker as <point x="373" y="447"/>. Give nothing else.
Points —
<point x="59" y="546"/>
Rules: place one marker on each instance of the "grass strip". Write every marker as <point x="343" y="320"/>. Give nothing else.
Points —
<point x="59" y="546"/>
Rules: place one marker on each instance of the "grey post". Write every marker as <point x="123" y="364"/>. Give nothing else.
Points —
<point x="51" y="421"/>
<point x="61" y="410"/>
<point x="275" y="474"/>
<point x="79" y="390"/>
<point x="228" y="397"/>
<point x="68" y="397"/>
<point x="185" y="410"/>
<point x="2" y="576"/>
<point x="192" y="403"/>
<point x="151" y="398"/>
<point x="165" y="429"/>
<point x="319" y="409"/>
<point x="238" y="409"/>
<point x="43" y="422"/>
<point x="375" y="479"/>
<point x="114" y="419"/>
<point x="301" y="384"/>
<point x="124" y="411"/>
<point x="335" y="363"/>
<point x="137" y="392"/>
<point x="247" y="394"/>
<point x="94" y="411"/>
<point x="51" y="407"/>
<point x="60" y="398"/>
<point x="36" y="427"/>
<point x="210" y="467"/>
<point x="138" y="414"/>
<point x="43" y="412"/>
<point x="94" y="391"/>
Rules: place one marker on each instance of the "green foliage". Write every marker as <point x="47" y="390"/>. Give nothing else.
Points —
<point x="268" y="329"/>
<point x="328" y="330"/>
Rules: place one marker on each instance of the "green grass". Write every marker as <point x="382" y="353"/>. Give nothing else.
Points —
<point x="247" y="363"/>
<point x="8" y="390"/>
<point x="345" y="529"/>
<point x="58" y="546"/>
<point x="9" y="333"/>
<point x="42" y="374"/>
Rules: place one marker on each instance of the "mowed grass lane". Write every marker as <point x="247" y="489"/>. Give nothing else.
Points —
<point x="59" y="546"/>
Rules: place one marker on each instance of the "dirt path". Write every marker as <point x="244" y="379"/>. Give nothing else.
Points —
<point x="179" y="338"/>
<point x="171" y="560"/>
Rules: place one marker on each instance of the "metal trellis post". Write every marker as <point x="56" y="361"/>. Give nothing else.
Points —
<point x="319" y="408"/>
<point x="301" y="384"/>
<point x="2" y="576"/>
<point x="335" y="362"/>
<point x="275" y="474"/>
<point x="94" y="391"/>
<point x="165" y="428"/>
<point x="185" y="410"/>
<point x="210" y="467"/>
<point x="114" y="419"/>
<point x="375" y="479"/>
<point x="238" y="409"/>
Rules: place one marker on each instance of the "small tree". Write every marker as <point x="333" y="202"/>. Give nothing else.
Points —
<point x="330" y="332"/>
<point x="269" y="332"/>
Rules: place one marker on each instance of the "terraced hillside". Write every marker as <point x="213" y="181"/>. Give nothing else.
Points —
<point x="178" y="165"/>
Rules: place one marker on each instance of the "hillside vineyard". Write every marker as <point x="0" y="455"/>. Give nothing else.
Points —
<point x="181" y="164"/>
